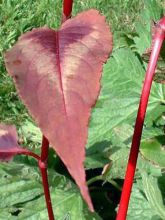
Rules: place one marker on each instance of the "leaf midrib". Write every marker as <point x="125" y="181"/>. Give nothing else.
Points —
<point x="59" y="69"/>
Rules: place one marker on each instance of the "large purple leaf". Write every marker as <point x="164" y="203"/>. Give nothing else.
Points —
<point x="8" y="142"/>
<point x="57" y="74"/>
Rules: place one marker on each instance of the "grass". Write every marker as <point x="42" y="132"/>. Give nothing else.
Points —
<point x="16" y="18"/>
<point x="19" y="16"/>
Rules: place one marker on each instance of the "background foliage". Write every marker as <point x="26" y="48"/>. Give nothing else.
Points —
<point x="111" y="125"/>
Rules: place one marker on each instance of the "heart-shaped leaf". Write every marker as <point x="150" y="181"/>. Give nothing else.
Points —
<point x="8" y="142"/>
<point x="57" y="74"/>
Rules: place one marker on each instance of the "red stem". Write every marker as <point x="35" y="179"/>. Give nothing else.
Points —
<point x="42" y="163"/>
<point x="30" y="153"/>
<point x="43" y="169"/>
<point x="131" y="167"/>
<point x="44" y="149"/>
<point x="67" y="8"/>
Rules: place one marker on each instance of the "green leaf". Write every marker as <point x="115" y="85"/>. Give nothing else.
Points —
<point x="14" y="190"/>
<point x="66" y="205"/>
<point x="7" y="214"/>
<point x="119" y="95"/>
<point x="139" y="207"/>
<point x="19" y="191"/>
<point x="153" y="194"/>
<point x="152" y="12"/>
<point x="118" y="102"/>
<point x="144" y="165"/>
<point x="153" y="150"/>
<point x="118" y="164"/>
<point x="97" y="155"/>
<point x="122" y="135"/>
<point x="151" y="132"/>
<point x="21" y="194"/>
<point x="143" y="42"/>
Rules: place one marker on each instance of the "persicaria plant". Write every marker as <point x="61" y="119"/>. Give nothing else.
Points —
<point x="57" y="75"/>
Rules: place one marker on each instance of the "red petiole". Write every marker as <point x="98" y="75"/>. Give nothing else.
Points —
<point x="31" y="154"/>
<point x="67" y="9"/>
<point x="131" y="167"/>
<point x="42" y="163"/>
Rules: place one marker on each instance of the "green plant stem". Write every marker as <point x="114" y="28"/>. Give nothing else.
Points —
<point x="100" y="177"/>
<point x="112" y="182"/>
<point x="94" y="179"/>
<point x="105" y="189"/>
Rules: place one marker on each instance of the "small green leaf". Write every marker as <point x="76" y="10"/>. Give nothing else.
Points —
<point x="153" y="150"/>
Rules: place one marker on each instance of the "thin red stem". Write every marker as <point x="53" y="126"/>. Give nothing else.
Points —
<point x="43" y="168"/>
<point x="67" y="8"/>
<point x="131" y="167"/>
<point x="44" y="149"/>
<point x="42" y="163"/>
<point x="29" y="153"/>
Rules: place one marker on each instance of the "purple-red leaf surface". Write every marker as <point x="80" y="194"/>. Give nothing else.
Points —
<point x="8" y="142"/>
<point x="57" y="74"/>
